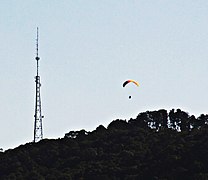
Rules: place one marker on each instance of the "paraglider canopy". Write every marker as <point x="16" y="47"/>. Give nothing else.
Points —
<point x="129" y="81"/>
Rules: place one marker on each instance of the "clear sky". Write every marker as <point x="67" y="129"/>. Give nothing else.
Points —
<point x="87" y="50"/>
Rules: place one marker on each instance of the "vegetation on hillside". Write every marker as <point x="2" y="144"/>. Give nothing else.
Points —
<point x="155" y="145"/>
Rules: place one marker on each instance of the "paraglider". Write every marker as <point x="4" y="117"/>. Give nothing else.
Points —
<point x="130" y="81"/>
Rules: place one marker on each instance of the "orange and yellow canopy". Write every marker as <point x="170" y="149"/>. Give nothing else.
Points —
<point x="129" y="81"/>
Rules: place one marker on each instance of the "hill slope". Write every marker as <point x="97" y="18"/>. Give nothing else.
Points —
<point x="155" y="145"/>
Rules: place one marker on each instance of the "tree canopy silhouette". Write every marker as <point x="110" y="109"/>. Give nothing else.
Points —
<point x="154" y="145"/>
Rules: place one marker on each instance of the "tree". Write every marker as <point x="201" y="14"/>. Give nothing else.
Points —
<point x="118" y="124"/>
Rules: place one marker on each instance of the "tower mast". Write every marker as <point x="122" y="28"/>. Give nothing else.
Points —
<point x="38" y="129"/>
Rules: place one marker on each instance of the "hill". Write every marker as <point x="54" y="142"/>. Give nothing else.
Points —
<point x="154" y="145"/>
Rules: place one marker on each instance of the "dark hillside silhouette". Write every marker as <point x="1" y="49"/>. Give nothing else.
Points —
<point x="155" y="145"/>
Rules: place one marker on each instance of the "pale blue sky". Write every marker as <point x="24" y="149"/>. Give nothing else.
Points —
<point x="87" y="50"/>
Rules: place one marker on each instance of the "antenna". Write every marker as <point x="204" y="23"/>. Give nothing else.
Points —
<point x="37" y="57"/>
<point x="38" y="129"/>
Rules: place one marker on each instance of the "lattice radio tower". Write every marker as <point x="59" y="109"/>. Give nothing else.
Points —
<point x="38" y="128"/>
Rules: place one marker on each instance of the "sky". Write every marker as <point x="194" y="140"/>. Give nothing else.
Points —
<point x="87" y="50"/>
